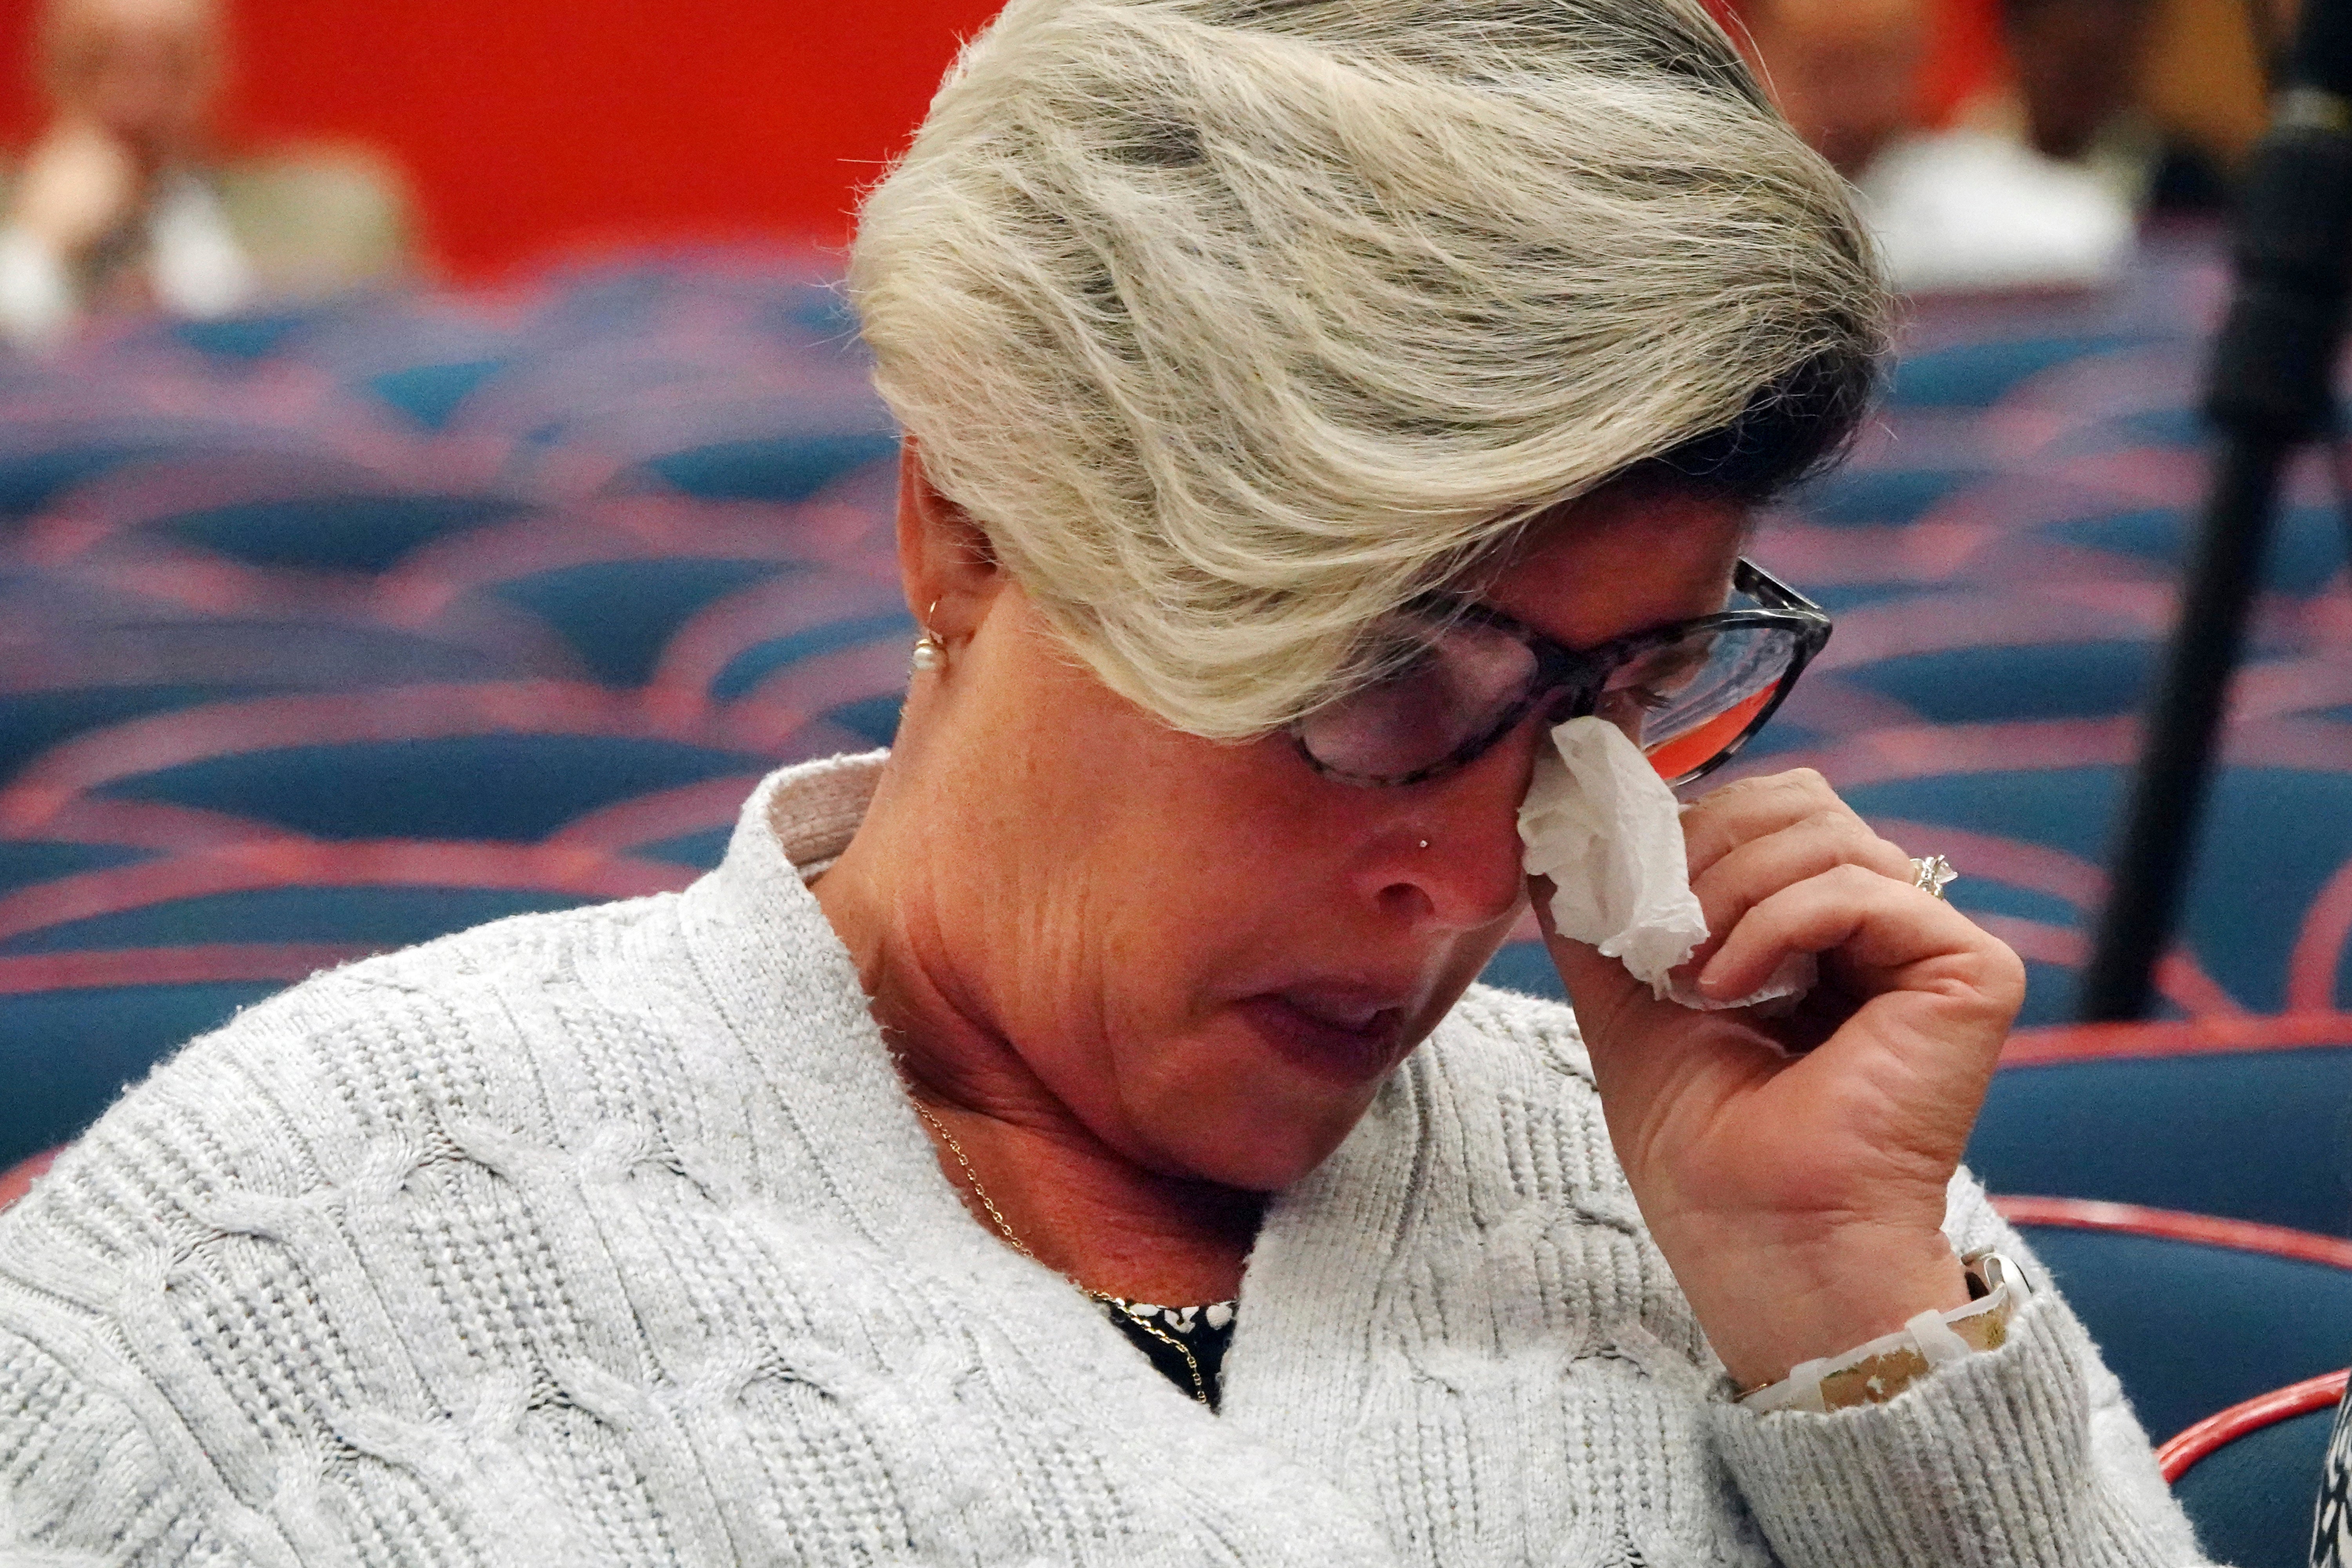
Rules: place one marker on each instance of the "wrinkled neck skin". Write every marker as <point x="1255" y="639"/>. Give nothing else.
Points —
<point x="1096" y="1214"/>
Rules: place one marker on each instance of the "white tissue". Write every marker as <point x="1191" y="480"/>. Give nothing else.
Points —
<point x="1600" y="822"/>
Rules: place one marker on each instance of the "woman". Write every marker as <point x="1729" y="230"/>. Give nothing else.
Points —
<point x="121" y="206"/>
<point x="1308" y="403"/>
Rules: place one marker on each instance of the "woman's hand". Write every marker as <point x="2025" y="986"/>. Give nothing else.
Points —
<point x="1800" y="1198"/>
<point x="79" y="185"/>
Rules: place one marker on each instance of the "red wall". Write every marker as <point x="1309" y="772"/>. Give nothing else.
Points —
<point x="528" y="125"/>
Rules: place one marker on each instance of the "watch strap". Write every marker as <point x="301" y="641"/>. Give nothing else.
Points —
<point x="1875" y="1372"/>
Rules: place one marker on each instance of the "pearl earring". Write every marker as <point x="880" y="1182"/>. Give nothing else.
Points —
<point x="930" y="654"/>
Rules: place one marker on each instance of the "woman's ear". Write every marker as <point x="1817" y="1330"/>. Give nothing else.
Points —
<point x="945" y="559"/>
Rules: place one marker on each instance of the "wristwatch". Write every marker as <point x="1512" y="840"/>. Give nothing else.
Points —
<point x="1875" y="1372"/>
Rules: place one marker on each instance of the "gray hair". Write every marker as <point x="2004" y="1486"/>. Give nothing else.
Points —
<point x="1237" y="323"/>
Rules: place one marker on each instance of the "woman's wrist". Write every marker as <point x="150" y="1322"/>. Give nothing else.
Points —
<point x="1767" y="1310"/>
<point x="1880" y="1369"/>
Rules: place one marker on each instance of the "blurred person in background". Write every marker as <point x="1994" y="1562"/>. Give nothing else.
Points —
<point x="2013" y="143"/>
<point x="121" y="206"/>
<point x="1845" y="72"/>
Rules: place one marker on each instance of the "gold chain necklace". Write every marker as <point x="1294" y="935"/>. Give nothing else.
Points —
<point x="1199" y="1384"/>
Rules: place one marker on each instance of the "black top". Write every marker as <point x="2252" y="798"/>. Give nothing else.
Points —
<point x="1157" y="1331"/>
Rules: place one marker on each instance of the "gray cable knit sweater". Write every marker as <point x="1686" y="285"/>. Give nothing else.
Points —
<point x="607" y="1237"/>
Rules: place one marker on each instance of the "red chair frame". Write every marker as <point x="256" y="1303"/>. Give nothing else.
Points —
<point x="2178" y="1456"/>
<point x="71" y="769"/>
<point x="18" y="1178"/>
<point x="584" y="871"/>
<point x="2173" y="1225"/>
<point x="2212" y="1035"/>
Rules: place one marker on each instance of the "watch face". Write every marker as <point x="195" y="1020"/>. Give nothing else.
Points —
<point x="1988" y="1271"/>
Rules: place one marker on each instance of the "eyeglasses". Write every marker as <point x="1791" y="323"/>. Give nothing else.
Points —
<point x="1456" y="675"/>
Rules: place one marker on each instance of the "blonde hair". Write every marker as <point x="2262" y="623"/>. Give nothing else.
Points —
<point x="1237" y="323"/>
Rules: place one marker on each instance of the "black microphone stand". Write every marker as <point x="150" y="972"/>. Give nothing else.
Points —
<point x="2271" y="392"/>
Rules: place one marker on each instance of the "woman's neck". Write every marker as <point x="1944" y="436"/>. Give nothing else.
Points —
<point x="1084" y="1212"/>
<point x="1081" y="1206"/>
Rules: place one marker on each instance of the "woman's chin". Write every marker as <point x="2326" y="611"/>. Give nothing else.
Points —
<point x="1267" y="1094"/>
<point x="1251" y="1156"/>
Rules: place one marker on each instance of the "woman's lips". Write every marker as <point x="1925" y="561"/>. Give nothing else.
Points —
<point x="1343" y="1035"/>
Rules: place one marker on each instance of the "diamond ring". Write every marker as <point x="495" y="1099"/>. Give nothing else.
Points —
<point x="1931" y="875"/>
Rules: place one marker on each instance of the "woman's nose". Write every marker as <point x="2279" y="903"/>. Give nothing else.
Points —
<point x="1448" y="857"/>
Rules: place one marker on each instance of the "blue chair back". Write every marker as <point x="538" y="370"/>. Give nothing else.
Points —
<point x="2273" y="840"/>
<point x="2260" y="1135"/>
<point x="66" y="1053"/>
<point x="105" y="972"/>
<point x="356" y="533"/>
<point x="515" y="788"/>
<point x="779" y="467"/>
<point x="2192" y="1323"/>
<point x="2249" y="1477"/>
<point x="1524" y="967"/>
<point x="76" y="681"/>
<point x="376" y="918"/>
<point x="620" y="614"/>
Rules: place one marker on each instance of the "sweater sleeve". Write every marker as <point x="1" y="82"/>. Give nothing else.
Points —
<point x="2025" y="1457"/>
<point x="81" y="1484"/>
<point x="96" y="1456"/>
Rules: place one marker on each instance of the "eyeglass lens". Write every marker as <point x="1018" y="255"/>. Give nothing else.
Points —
<point x="1438" y="693"/>
<point x="1684" y="702"/>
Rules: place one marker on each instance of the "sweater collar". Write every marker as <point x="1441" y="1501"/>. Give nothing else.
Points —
<point x="808" y="813"/>
<point x="791" y="996"/>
